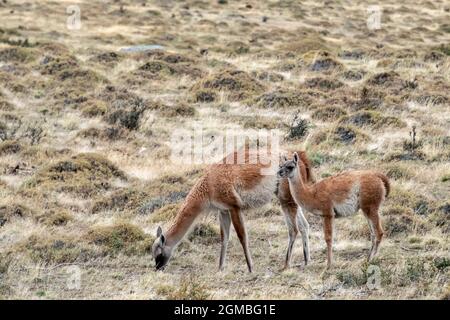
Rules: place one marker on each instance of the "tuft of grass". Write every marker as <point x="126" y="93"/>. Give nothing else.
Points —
<point x="398" y="171"/>
<point x="112" y="133"/>
<point x="445" y="178"/>
<point x="324" y="84"/>
<point x="18" y="54"/>
<point x="307" y="44"/>
<point x="147" y="198"/>
<point x="11" y="210"/>
<point x="120" y="236"/>
<point x="85" y="174"/>
<point x="322" y="63"/>
<point x="372" y="119"/>
<point x="189" y="289"/>
<point x="205" y="95"/>
<point x="330" y="113"/>
<point x="444" y="48"/>
<point x="166" y="213"/>
<point x="93" y="108"/>
<point x="399" y="221"/>
<point x="10" y="147"/>
<point x="441" y="217"/>
<point x="238" y="84"/>
<point x="281" y="99"/>
<point x="55" y="249"/>
<point x="351" y="278"/>
<point x="205" y="233"/>
<point x="441" y="263"/>
<point x="107" y="58"/>
<point x="345" y="134"/>
<point x="5" y="105"/>
<point x="55" y="217"/>
<point x="259" y="122"/>
<point x="385" y="79"/>
<point x="179" y="110"/>
<point x="408" y="199"/>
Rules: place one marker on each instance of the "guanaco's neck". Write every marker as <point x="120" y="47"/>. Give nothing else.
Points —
<point x="192" y="207"/>
<point x="301" y="193"/>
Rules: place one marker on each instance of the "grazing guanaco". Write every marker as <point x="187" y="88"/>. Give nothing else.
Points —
<point x="339" y="196"/>
<point x="230" y="186"/>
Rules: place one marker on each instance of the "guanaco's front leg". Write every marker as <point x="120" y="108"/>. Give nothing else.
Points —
<point x="225" y="220"/>
<point x="290" y="213"/>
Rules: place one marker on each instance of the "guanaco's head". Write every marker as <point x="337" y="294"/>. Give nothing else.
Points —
<point x="287" y="169"/>
<point x="161" y="252"/>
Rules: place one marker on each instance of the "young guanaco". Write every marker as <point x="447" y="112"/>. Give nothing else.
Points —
<point x="231" y="187"/>
<point x="339" y="196"/>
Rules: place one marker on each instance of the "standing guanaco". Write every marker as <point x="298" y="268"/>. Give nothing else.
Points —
<point x="229" y="187"/>
<point x="339" y="196"/>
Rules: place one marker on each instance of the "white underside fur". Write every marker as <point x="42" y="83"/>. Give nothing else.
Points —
<point x="260" y="195"/>
<point x="350" y="205"/>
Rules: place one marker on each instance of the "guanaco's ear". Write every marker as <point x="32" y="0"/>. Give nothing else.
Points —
<point x="285" y="158"/>
<point x="163" y="239"/>
<point x="159" y="232"/>
<point x="296" y="158"/>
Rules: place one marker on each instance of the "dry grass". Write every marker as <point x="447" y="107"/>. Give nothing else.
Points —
<point x="85" y="128"/>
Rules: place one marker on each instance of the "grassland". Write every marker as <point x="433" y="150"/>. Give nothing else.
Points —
<point x="85" y="169"/>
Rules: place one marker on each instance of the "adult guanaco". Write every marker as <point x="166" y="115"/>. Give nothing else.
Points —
<point x="231" y="186"/>
<point x="339" y="196"/>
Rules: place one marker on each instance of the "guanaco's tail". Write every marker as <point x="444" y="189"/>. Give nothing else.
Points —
<point x="386" y="182"/>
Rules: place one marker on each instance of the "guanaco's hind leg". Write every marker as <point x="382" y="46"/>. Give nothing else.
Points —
<point x="290" y="212"/>
<point x="225" y="220"/>
<point x="376" y="230"/>
<point x="328" y="221"/>
<point x="238" y="223"/>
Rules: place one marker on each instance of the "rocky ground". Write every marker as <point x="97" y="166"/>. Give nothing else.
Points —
<point x="85" y="161"/>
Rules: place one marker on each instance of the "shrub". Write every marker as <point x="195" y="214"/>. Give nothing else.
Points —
<point x="123" y="107"/>
<point x="299" y="128"/>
